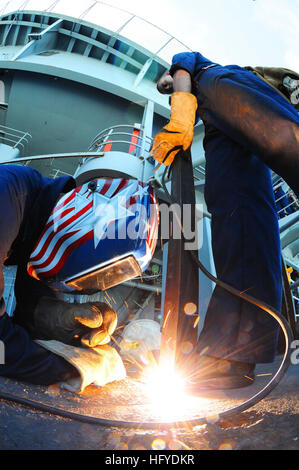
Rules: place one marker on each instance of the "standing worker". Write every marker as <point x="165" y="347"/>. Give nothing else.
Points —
<point x="249" y="127"/>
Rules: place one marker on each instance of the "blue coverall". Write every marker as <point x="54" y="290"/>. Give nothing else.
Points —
<point x="26" y="201"/>
<point x="237" y="109"/>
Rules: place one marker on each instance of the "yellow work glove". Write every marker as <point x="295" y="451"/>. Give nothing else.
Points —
<point x="178" y="133"/>
<point x="99" y="365"/>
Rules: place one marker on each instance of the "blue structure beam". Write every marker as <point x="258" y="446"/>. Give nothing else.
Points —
<point x="129" y="54"/>
<point x="9" y="25"/>
<point x="104" y="47"/>
<point x="40" y="42"/>
<point x="73" y="40"/>
<point x="89" y="46"/>
<point x="143" y="71"/>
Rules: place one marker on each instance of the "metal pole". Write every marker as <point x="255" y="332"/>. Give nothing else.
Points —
<point x="182" y="276"/>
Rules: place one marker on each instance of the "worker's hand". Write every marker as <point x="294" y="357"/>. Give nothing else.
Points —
<point x="178" y="133"/>
<point x="99" y="365"/>
<point x="101" y="334"/>
<point x="90" y="324"/>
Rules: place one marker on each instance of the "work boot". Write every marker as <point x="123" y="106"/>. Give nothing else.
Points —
<point x="219" y="374"/>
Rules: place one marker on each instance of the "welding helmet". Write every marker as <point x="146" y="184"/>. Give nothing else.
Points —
<point x="98" y="235"/>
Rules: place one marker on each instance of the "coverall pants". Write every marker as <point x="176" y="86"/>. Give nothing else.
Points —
<point x="244" y="117"/>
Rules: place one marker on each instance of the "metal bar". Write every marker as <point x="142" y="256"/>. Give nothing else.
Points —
<point x="286" y="194"/>
<point x="18" y="137"/>
<point x="72" y="41"/>
<point x="164" y="45"/>
<point x="182" y="275"/>
<point x="8" y="28"/>
<point x="134" y="139"/>
<point x="143" y="71"/>
<point x="56" y="156"/>
<point x="113" y="40"/>
<point x="108" y="144"/>
<point x="290" y="263"/>
<point x="40" y="42"/>
<point x="295" y="285"/>
<point x="121" y="142"/>
<point x="116" y="127"/>
<point x="12" y="129"/>
<point x="294" y="202"/>
<point x="15" y="35"/>
<point x="6" y="139"/>
<point x="129" y="53"/>
<point x="288" y="306"/>
<point x="21" y="139"/>
<point x="90" y="46"/>
<point x="146" y="21"/>
<point x="87" y="10"/>
<point x="121" y="133"/>
<point x="125" y="24"/>
<point x="102" y="46"/>
<point x="157" y="261"/>
<point x="290" y="223"/>
<point x="141" y="285"/>
<point x="147" y="125"/>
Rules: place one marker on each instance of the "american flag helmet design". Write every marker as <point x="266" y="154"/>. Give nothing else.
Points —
<point x="98" y="223"/>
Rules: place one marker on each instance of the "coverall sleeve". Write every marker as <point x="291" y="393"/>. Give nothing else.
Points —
<point x="23" y="358"/>
<point x="253" y="114"/>
<point x="192" y="62"/>
<point x="247" y="110"/>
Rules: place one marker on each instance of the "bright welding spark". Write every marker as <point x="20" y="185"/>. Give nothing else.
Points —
<point x="165" y="389"/>
<point x="166" y="318"/>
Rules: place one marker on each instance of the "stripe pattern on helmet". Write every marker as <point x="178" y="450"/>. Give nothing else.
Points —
<point x="73" y="220"/>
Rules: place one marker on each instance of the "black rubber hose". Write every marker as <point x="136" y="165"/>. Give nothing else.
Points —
<point x="152" y="425"/>
<point x="195" y="421"/>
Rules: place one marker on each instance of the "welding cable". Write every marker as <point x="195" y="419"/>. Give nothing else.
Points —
<point x="193" y="421"/>
<point x="288" y="335"/>
<point x="186" y="422"/>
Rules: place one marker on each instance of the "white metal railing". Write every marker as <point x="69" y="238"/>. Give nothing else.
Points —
<point x="56" y="172"/>
<point x="118" y="20"/>
<point x="125" y="138"/>
<point x="13" y="137"/>
<point x="285" y="199"/>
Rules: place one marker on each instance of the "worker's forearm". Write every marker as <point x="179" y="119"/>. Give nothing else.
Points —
<point x="182" y="81"/>
<point x="26" y="360"/>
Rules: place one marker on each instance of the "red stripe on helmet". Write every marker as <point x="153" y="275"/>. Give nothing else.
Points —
<point x="61" y="227"/>
<point x="66" y="254"/>
<point x="121" y="185"/>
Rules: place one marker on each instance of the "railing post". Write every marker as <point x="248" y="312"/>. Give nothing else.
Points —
<point x="2" y="92"/>
<point x="2" y="353"/>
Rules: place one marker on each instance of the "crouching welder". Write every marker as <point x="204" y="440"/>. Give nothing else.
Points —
<point x="250" y="125"/>
<point x="64" y="238"/>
